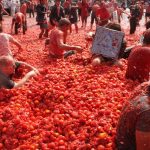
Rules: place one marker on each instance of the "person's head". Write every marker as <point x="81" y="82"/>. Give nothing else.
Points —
<point x="57" y="2"/>
<point x="113" y="26"/>
<point x="64" y="24"/>
<point x="146" y="35"/>
<point x="7" y="65"/>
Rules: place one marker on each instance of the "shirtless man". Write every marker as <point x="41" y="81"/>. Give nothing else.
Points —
<point x="19" y="21"/>
<point x="57" y="43"/>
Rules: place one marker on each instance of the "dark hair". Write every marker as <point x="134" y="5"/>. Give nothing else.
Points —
<point x="146" y="39"/>
<point x="113" y="26"/>
<point x="64" y="22"/>
<point x="147" y="25"/>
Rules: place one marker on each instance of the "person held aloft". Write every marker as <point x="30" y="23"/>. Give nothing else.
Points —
<point x="8" y="65"/>
<point x="19" y="21"/>
<point x="138" y="67"/>
<point x="73" y="16"/>
<point x="41" y="18"/>
<point x="102" y="14"/>
<point x="57" y="41"/>
<point x="98" y="59"/>
<point x="134" y="17"/>
<point x="133" y="130"/>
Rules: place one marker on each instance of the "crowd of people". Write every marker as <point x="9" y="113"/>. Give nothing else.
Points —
<point x="133" y="130"/>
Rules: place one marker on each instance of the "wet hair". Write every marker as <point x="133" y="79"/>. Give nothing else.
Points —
<point x="147" y="25"/>
<point x="146" y="35"/>
<point x="64" y="22"/>
<point x="113" y="26"/>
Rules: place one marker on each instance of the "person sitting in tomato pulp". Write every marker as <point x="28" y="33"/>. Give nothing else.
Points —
<point x="98" y="59"/>
<point x="57" y="41"/>
<point x="138" y="67"/>
<point x="133" y="130"/>
<point x="19" y="21"/>
<point x="8" y="64"/>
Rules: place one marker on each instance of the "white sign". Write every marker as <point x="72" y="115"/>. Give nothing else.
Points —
<point x="107" y="42"/>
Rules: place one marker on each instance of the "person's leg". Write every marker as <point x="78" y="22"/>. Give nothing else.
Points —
<point x="29" y="13"/>
<point x="42" y="31"/>
<point x="92" y="19"/>
<point x="16" y="28"/>
<point x="132" y="25"/>
<point x="33" y="12"/>
<point x="76" y="27"/>
<point x="85" y="21"/>
<point x="71" y="28"/>
<point x="82" y="20"/>
<point x="46" y="33"/>
<point x="24" y="28"/>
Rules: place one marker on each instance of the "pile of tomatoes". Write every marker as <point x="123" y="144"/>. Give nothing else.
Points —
<point x="70" y="105"/>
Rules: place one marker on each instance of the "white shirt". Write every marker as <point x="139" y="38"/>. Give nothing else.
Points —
<point x="5" y="39"/>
